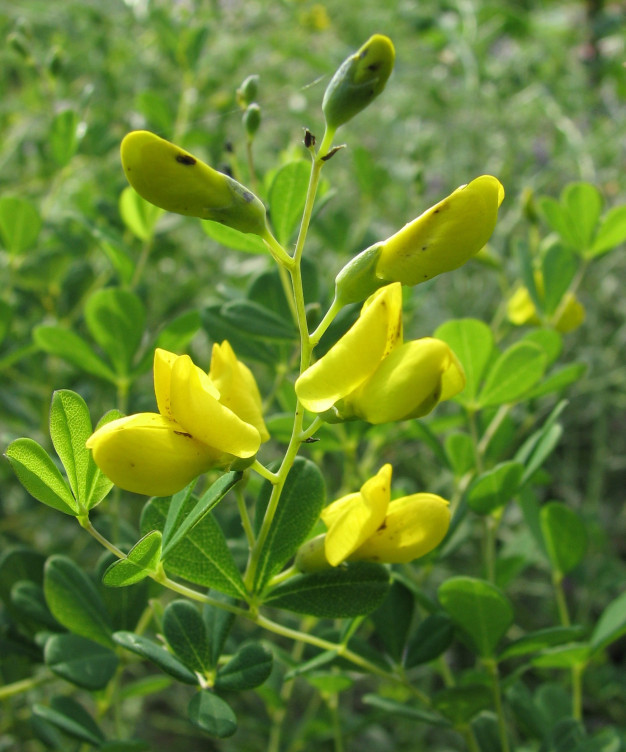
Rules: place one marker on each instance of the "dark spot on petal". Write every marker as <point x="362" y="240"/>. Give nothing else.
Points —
<point x="373" y="67"/>
<point x="185" y="159"/>
<point x="183" y="433"/>
<point x="424" y="247"/>
<point x="247" y="196"/>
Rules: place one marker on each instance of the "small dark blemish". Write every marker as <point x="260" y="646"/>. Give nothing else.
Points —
<point x="186" y="159"/>
<point x="424" y="247"/>
<point x="309" y="138"/>
<point x="373" y="67"/>
<point x="183" y="433"/>
<point x="228" y="147"/>
<point x="247" y="196"/>
<point x="436" y="211"/>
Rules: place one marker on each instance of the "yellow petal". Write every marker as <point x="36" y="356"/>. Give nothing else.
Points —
<point x="520" y="308"/>
<point x="356" y="355"/>
<point x="237" y="387"/>
<point x="195" y="407"/>
<point x="408" y="383"/>
<point x="162" y="373"/>
<point x="572" y="314"/>
<point x="445" y="236"/>
<point x="150" y="454"/>
<point x="414" y="525"/>
<point x="354" y="518"/>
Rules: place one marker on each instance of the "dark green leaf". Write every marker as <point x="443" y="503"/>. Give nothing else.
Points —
<point x="156" y="654"/>
<point x="611" y="625"/>
<point x="301" y="502"/>
<point x="128" y="745"/>
<point x="461" y="704"/>
<point x="248" y="668"/>
<point x="210" y="713"/>
<point x="63" y="343"/>
<point x="287" y="195"/>
<point x="80" y="661"/>
<point x="142" y="561"/>
<point x="231" y="238"/>
<point x="28" y="598"/>
<point x="495" y="488"/>
<point x="186" y="633"/>
<point x="343" y="592"/>
<point x="74" y="601"/>
<point x="392" y="619"/>
<point x="258" y="322"/>
<point x="219" y="329"/>
<point x="40" y="476"/>
<point x="516" y="371"/>
<point x="219" y="622"/>
<point x="67" y="715"/>
<point x="402" y="710"/>
<point x="479" y="609"/>
<point x="431" y="639"/>
<point x="564" y="535"/>
<point x="19" y="224"/>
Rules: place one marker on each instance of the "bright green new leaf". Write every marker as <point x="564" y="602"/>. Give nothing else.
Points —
<point x="563" y="656"/>
<point x="431" y="639"/>
<point x="479" y="609"/>
<point x="461" y="704"/>
<point x="460" y="453"/>
<point x="516" y="371"/>
<point x="40" y="476"/>
<point x="338" y="593"/>
<point x="494" y="488"/>
<point x="611" y="232"/>
<point x="158" y="655"/>
<point x="287" y="195"/>
<point x="138" y="215"/>
<point x="64" y="136"/>
<point x="212" y="714"/>
<point x="549" y="340"/>
<point x="66" y="714"/>
<point x="301" y="502"/>
<point x="74" y="601"/>
<point x="116" y="319"/>
<point x="611" y="625"/>
<point x="70" y="427"/>
<point x="141" y="562"/>
<point x="186" y="634"/>
<point x="248" y="668"/>
<point x="231" y="238"/>
<point x="583" y="202"/>
<point x="564" y="535"/>
<point x="471" y="341"/>
<point x="19" y="224"/>
<point x="80" y="661"/>
<point x="67" y="345"/>
<point x="202" y="557"/>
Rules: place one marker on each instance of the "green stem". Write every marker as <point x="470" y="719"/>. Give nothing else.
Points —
<point x="491" y="527"/>
<point x="24" y="685"/>
<point x="328" y="319"/>
<point x="577" y="691"/>
<point x="561" y="602"/>
<point x="468" y="734"/>
<point x="332" y="702"/>
<point x="264" y="472"/>
<point x="492" y="668"/>
<point x="245" y="517"/>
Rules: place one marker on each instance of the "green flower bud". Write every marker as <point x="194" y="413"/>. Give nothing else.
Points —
<point x="172" y="179"/>
<point x="358" y="81"/>
<point x="358" y="280"/>
<point x="252" y="119"/>
<point x="247" y="92"/>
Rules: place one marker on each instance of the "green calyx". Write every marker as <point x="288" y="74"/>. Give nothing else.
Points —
<point x="358" y="280"/>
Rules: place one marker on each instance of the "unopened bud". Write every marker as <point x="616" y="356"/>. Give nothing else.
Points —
<point x="247" y="92"/>
<point x="252" y="119"/>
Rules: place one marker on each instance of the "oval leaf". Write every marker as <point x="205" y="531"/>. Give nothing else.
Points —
<point x="564" y="535"/>
<point x="156" y="654"/>
<point x="142" y="561"/>
<point x="611" y="625"/>
<point x="80" y="661"/>
<point x="248" y="668"/>
<point x="431" y="639"/>
<point x="67" y="715"/>
<point x="287" y="196"/>
<point x="495" y="488"/>
<point x="19" y="224"/>
<point x="186" y="633"/>
<point x="231" y="238"/>
<point x="210" y="713"/>
<point x="516" y="371"/>
<point x="63" y="343"/>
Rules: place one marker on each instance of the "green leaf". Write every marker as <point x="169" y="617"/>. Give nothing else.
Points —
<point x="74" y="601"/>
<point x="20" y="224"/>
<point x="128" y="745"/>
<point x="495" y="488"/>
<point x="64" y="136"/>
<point x="210" y="713"/>
<point x="549" y="340"/>
<point x="460" y="452"/>
<point x="189" y="515"/>
<point x="231" y="238"/>
<point x="536" y="449"/>
<point x="392" y="619"/>
<point x="115" y="250"/>
<point x="287" y="196"/>
<point x="339" y="593"/>
<point x="202" y="557"/>
<point x="479" y="609"/>
<point x="516" y="371"/>
<point x="219" y="328"/>
<point x="401" y="709"/>
<point x="219" y="622"/>
<point x="6" y="315"/>
<point x="257" y="321"/>
<point x="540" y="640"/>
<point x="66" y="714"/>
<point x="248" y="668"/>
<point x="156" y="654"/>
<point x="527" y="271"/>
<point x="301" y="502"/>
<point x="27" y="597"/>
<point x="186" y="633"/>
<point x="80" y="661"/>
<point x="142" y="561"/>
<point x="583" y="203"/>
<point x="431" y="639"/>
<point x="116" y="319"/>
<point x="138" y="215"/>
<point x="40" y="476"/>
<point x="472" y="342"/>
<point x="564" y="535"/>
<point x="559" y="267"/>
<point x="461" y="704"/>
<point x="563" y="656"/>
<point x="63" y="343"/>
<point x="178" y="333"/>
<point x="70" y="427"/>
<point x="611" y="625"/>
<point x="559" y="380"/>
<point x="611" y="233"/>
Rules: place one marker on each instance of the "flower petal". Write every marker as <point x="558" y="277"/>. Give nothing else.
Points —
<point x="195" y="407"/>
<point x="354" y="518"/>
<point x="150" y="454"/>
<point x="445" y="236"/>
<point x="357" y="354"/>
<point x="414" y="525"/>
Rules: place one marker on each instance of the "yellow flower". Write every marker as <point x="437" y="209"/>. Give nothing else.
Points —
<point x="367" y="526"/>
<point x="171" y="178"/>
<point x="521" y="310"/>
<point x="443" y="238"/>
<point x="370" y="374"/>
<point x="198" y="426"/>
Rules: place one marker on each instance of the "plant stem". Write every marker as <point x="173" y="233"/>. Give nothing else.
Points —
<point x="559" y="594"/>
<point x="245" y="517"/>
<point x="23" y="685"/>
<point x="492" y="668"/>
<point x="328" y="319"/>
<point x="264" y="472"/>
